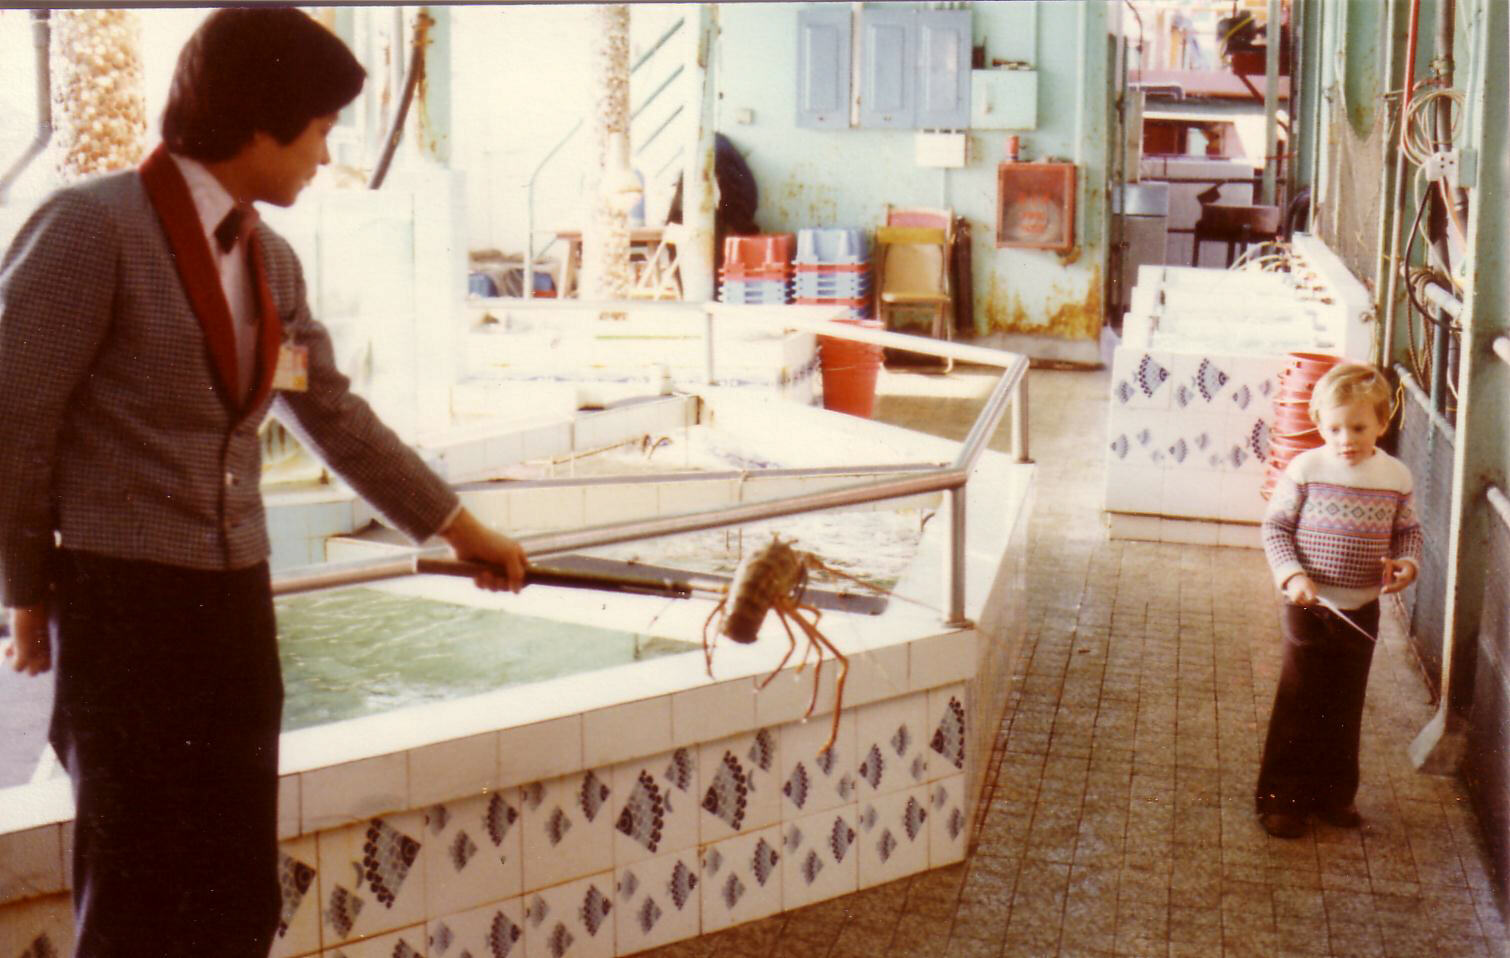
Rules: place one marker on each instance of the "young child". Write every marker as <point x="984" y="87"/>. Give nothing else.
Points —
<point x="1339" y="531"/>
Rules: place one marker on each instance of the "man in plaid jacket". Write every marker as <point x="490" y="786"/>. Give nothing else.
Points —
<point x="148" y="323"/>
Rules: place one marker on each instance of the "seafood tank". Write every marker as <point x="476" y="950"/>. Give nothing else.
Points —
<point x="568" y="771"/>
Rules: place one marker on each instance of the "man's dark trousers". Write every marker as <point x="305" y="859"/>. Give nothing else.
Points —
<point x="167" y="715"/>
<point x="1310" y="759"/>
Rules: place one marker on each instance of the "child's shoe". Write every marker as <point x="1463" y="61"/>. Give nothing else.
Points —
<point x="1283" y="824"/>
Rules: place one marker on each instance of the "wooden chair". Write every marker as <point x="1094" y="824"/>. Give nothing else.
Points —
<point x="913" y="266"/>
<point x="659" y="277"/>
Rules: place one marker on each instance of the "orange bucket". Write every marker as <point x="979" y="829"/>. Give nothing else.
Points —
<point x="850" y="370"/>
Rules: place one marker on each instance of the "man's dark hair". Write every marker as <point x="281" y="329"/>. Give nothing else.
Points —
<point x="246" y="69"/>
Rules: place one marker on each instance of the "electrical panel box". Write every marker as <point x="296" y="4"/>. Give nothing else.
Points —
<point x="823" y="84"/>
<point x="1004" y="99"/>
<point x="943" y="70"/>
<point x="888" y="73"/>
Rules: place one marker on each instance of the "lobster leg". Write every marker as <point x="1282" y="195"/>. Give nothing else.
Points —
<point x="822" y="642"/>
<point x="791" y="647"/>
<point x="789" y="611"/>
<point x="708" y="646"/>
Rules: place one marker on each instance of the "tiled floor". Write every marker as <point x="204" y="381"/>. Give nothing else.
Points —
<point x="1121" y="822"/>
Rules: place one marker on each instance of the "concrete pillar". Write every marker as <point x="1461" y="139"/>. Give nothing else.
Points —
<point x="99" y="107"/>
<point x="699" y="194"/>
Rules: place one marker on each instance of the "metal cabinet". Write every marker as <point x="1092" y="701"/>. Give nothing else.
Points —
<point x="888" y="58"/>
<point x="823" y="43"/>
<point x="943" y="70"/>
<point x="914" y="68"/>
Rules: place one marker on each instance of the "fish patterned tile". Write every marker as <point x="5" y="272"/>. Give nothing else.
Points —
<point x="371" y="877"/>
<point x="741" y="879"/>
<point x="1255" y="383"/>
<point x="37" y="927"/>
<point x="893" y="834"/>
<point x="814" y="780"/>
<point x="657" y="901"/>
<point x="1137" y="437"/>
<point x="495" y="930"/>
<point x="740" y="790"/>
<point x="946" y="731"/>
<point x="948" y="821"/>
<point x="1201" y="382"/>
<point x="1195" y="441"/>
<point x="819" y="859"/>
<point x="473" y="851"/>
<point x="407" y="943"/>
<point x="567" y="827"/>
<point x="572" y="920"/>
<point x="1249" y="447"/>
<point x="892" y="745"/>
<point x="655" y="806"/>
<point x="298" y="931"/>
<point x="1140" y="380"/>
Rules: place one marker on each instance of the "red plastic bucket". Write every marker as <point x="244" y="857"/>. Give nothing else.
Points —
<point x="850" y="370"/>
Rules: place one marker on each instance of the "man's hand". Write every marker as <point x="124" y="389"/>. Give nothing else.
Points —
<point x="1397" y="575"/>
<point x="470" y="539"/>
<point x="29" y="648"/>
<point x="1300" y="590"/>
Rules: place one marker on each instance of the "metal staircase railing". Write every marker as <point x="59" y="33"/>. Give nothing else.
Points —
<point x="639" y="146"/>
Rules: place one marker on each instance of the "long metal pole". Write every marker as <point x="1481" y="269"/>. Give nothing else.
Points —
<point x="1397" y="211"/>
<point x="1271" y="104"/>
<point x="954" y="560"/>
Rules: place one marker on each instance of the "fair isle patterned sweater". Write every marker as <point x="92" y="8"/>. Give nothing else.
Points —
<point x="1335" y="522"/>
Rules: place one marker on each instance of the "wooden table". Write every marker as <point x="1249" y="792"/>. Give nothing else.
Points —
<point x="643" y="238"/>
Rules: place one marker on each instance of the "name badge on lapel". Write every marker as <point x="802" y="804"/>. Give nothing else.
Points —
<point x="292" y="372"/>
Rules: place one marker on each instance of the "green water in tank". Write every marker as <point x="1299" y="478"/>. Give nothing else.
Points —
<point x="356" y="652"/>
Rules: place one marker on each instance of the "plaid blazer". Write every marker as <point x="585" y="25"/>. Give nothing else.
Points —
<point x="118" y="431"/>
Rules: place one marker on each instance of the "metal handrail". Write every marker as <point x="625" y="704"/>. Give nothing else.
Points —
<point x="528" y="290"/>
<point x="950" y="479"/>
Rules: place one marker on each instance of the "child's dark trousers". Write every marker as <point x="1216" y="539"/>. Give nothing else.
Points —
<point x="1310" y="757"/>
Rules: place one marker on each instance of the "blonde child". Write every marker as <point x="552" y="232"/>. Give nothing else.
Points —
<point x="1339" y="531"/>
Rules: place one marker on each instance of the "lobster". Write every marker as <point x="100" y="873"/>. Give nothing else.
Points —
<point x="773" y="579"/>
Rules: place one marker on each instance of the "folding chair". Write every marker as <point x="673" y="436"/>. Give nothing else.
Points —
<point x="912" y="273"/>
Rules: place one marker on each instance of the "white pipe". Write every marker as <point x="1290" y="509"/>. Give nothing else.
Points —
<point x="1080" y="17"/>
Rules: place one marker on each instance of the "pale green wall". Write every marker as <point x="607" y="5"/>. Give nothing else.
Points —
<point x="845" y="177"/>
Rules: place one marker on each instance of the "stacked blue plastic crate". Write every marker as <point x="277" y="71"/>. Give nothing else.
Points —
<point x="833" y="268"/>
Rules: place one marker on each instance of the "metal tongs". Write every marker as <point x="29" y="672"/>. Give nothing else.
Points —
<point x="607" y="575"/>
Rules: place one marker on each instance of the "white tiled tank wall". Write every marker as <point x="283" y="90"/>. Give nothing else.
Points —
<point x="619" y="858"/>
<point x="1188" y="434"/>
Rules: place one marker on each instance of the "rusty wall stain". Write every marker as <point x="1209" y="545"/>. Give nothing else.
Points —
<point x="429" y="137"/>
<point x="1065" y="315"/>
<point x="804" y="199"/>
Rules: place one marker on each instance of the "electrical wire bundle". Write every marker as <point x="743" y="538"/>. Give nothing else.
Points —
<point x="1421" y="143"/>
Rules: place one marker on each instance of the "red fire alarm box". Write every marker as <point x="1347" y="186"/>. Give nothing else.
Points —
<point x="1035" y="205"/>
